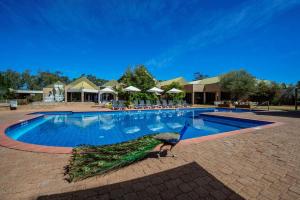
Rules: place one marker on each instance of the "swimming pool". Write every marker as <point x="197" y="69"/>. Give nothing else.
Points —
<point x="68" y="129"/>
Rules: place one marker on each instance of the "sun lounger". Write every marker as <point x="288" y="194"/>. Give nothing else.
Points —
<point x="179" y="104"/>
<point x="164" y="104"/>
<point x="148" y="104"/>
<point x="158" y="104"/>
<point x="122" y="105"/>
<point x="185" y="104"/>
<point x="170" y="104"/>
<point x="136" y="104"/>
<point x="115" y="105"/>
<point x="142" y="104"/>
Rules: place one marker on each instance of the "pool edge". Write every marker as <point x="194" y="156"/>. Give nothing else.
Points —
<point x="7" y="142"/>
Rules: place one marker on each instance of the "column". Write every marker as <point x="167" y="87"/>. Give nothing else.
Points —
<point x="193" y="98"/>
<point x="82" y="96"/>
<point x="204" y="97"/>
<point x="71" y="97"/>
<point x="66" y="95"/>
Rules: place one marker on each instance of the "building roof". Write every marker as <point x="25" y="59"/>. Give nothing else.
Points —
<point x="83" y="79"/>
<point x="207" y="81"/>
<point x="56" y="83"/>
<point x="179" y="80"/>
<point x="26" y="91"/>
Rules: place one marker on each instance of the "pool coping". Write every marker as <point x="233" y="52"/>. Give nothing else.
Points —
<point x="7" y="142"/>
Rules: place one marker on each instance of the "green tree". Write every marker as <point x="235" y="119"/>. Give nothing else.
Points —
<point x="141" y="78"/>
<point x="264" y="92"/>
<point x="177" y="96"/>
<point x="239" y="83"/>
<point x="127" y="77"/>
<point x="97" y="81"/>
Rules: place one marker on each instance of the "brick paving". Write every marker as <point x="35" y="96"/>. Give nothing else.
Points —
<point x="263" y="164"/>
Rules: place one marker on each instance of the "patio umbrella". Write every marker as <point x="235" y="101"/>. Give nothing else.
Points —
<point x="106" y="90"/>
<point x="131" y="89"/>
<point x="174" y="91"/>
<point x="155" y="90"/>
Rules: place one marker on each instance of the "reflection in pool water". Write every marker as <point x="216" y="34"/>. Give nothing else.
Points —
<point x="100" y="128"/>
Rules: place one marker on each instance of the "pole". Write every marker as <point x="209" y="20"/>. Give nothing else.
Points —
<point x="296" y="98"/>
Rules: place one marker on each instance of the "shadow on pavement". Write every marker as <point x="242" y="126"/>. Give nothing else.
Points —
<point x="189" y="181"/>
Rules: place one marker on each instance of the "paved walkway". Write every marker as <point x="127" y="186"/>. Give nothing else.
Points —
<point x="264" y="164"/>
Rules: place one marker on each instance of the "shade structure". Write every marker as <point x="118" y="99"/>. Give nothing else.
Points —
<point x="155" y="90"/>
<point x="131" y="89"/>
<point x="174" y="91"/>
<point x="107" y="90"/>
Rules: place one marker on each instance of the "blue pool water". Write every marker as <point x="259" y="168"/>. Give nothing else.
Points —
<point x="68" y="129"/>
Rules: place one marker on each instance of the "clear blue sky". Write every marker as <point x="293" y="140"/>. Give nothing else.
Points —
<point x="172" y="38"/>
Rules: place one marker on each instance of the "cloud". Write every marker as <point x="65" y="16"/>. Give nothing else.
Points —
<point x="251" y="15"/>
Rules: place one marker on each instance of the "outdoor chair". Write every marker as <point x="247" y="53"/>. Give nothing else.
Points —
<point x="121" y="105"/>
<point x="115" y="105"/>
<point x="164" y="104"/>
<point x="170" y="139"/>
<point x="158" y="104"/>
<point x="185" y="104"/>
<point x="136" y="104"/>
<point x="179" y="104"/>
<point x="142" y="104"/>
<point x="170" y="104"/>
<point x="148" y="104"/>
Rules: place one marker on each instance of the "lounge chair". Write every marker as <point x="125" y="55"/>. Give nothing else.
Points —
<point x="171" y="139"/>
<point x="115" y="105"/>
<point x="171" y="104"/>
<point x="179" y="104"/>
<point x="122" y="105"/>
<point x="164" y="104"/>
<point x="142" y="104"/>
<point x="185" y="104"/>
<point x="148" y="104"/>
<point x="158" y="104"/>
<point x="136" y="104"/>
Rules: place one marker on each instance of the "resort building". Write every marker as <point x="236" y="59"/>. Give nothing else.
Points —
<point x="205" y="91"/>
<point x="81" y="90"/>
<point x="179" y="80"/>
<point x="23" y="94"/>
<point x="54" y="92"/>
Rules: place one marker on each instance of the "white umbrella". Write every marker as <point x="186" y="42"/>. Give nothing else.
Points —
<point x="174" y="91"/>
<point x="131" y="89"/>
<point x="107" y="90"/>
<point x="155" y="90"/>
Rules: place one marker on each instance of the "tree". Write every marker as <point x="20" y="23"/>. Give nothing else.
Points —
<point x="177" y="96"/>
<point x="239" y="83"/>
<point x="298" y="84"/>
<point x="141" y="78"/>
<point x="95" y="80"/>
<point x="263" y="92"/>
<point x="199" y="76"/>
<point x="127" y="77"/>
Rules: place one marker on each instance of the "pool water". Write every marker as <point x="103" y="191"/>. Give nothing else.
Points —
<point x="68" y="129"/>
